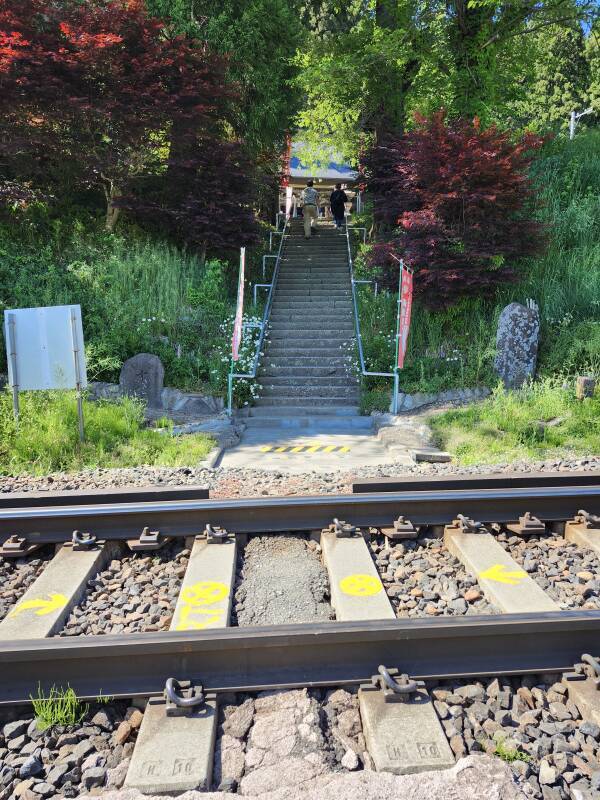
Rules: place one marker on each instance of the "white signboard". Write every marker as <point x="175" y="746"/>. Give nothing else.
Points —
<point x="44" y="347"/>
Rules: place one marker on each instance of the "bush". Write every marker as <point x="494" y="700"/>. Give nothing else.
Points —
<point x="461" y="198"/>
<point x="47" y="439"/>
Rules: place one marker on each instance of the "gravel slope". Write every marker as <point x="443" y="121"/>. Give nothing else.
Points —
<point x="256" y="482"/>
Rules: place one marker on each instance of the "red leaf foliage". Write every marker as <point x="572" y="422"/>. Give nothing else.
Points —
<point x="457" y="201"/>
<point x="96" y="94"/>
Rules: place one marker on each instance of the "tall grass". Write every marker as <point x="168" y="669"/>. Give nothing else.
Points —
<point x="566" y="280"/>
<point x="152" y="279"/>
<point x="542" y="420"/>
<point x="46" y="438"/>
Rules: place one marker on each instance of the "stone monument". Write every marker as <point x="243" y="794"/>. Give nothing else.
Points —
<point x="143" y="376"/>
<point x="517" y="342"/>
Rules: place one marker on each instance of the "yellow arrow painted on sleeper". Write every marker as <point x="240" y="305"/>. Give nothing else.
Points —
<point x="56" y="602"/>
<point x="497" y="572"/>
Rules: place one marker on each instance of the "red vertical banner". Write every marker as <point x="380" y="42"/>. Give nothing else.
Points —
<point x="239" y="312"/>
<point x="406" y="293"/>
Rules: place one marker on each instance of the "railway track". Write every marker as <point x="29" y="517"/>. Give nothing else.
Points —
<point x="546" y="608"/>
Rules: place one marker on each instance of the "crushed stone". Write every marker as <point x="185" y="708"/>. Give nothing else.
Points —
<point x="281" y="580"/>
<point x="17" y="575"/>
<point x="422" y="579"/>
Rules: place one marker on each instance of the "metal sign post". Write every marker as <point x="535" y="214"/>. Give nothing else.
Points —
<point x="77" y="364"/>
<point x="45" y="352"/>
<point x="10" y="328"/>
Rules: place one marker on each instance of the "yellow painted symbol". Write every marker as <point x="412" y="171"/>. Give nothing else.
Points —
<point x="56" y="602"/>
<point x="361" y="585"/>
<point x="195" y="598"/>
<point x="498" y="573"/>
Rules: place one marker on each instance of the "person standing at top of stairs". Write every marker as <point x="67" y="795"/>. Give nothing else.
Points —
<point x="310" y="209"/>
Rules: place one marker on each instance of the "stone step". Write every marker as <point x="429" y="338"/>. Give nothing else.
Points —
<point x="315" y="401"/>
<point x="341" y="324"/>
<point x="318" y="306"/>
<point x="316" y="264"/>
<point x="300" y="373"/>
<point x="277" y="410"/>
<point x="303" y="389"/>
<point x="328" y="422"/>
<point x="318" y="359"/>
<point x="329" y="335"/>
<point x="312" y="295"/>
<point x="307" y="312"/>
<point x="313" y="290"/>
<point x="272" y="381"/>
<point x="299" y="350"/>
<point x="301" y="283"/>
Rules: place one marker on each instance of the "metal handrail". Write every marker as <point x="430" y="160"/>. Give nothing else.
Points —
<point x="359" y="341"/>
<point x="262" y="325"/>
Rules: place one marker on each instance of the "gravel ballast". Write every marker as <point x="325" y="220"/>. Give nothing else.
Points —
<point x="17" y="575"/>
<point x="423" y="579"/>
<point x="281" y="580"/>
<point x="230" y="482"/>
<point x="135" y="593"/>
<point x="569" y="574"/>
<point x="67" y="761"/>
<point x="531" y="723"/>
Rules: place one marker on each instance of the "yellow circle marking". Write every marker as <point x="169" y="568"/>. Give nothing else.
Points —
<point x="204" y="593"/>
<point x="361" y="585"/>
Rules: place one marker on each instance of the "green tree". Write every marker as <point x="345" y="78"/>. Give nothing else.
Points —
<point x="392" y="57"/>
<point x="260" y="37"/>
<point x="561" y="77"/>
<point x="592" y="52"/>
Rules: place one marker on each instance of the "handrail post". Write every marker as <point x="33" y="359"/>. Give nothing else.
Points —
<point x="230" y="392"/>
<point x="264" y="323"/>
<point x="396" y="391"/>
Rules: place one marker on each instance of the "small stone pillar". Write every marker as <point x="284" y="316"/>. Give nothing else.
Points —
<point x="143" y="376"/>
<point x="585" y="387"/>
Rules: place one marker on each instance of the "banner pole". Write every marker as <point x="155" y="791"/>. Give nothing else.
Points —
<point x="237" y="329"/>
<point x="396" y="375"/>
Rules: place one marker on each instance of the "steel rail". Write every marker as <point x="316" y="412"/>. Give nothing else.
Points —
<point x="128" y="494"/>
<point x="497" y="481"/>
<point x="270" y="515"/>
<point x="322" y="654"/>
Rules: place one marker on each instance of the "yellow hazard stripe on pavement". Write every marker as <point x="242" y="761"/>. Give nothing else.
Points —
<point x="305" y="448"/>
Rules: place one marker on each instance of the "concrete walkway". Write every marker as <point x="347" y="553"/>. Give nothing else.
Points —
<point x="312" y="447"/>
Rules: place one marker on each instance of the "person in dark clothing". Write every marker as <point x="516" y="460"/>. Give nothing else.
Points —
<point x="337" y="202"/>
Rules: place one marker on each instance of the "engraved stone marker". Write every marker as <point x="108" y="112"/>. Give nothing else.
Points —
<point x="143" y="376"/>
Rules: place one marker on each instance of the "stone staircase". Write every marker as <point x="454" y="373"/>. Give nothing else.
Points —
<point x="306" y="369"/>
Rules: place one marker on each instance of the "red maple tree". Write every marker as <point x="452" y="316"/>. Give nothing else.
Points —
<point x="97" y="94"/>
<point x="456" y="200"/>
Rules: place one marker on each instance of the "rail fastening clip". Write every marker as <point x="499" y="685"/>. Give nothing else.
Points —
<point x="468" y="525"/>
<point x="83" y="541"/>
<point x="182" y="697"/>
<point x="216" y="535"/>
<point x="396" y="687"/>
<point x="591" y="521"/>
<point x="343" y="530"/>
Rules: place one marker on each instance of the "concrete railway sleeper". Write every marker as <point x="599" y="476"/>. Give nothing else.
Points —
<point x="488" y="629"/>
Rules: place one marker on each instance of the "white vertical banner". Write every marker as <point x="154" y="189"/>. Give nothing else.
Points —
<point x="239" y="312"/>
<point x="288" y="201"/>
